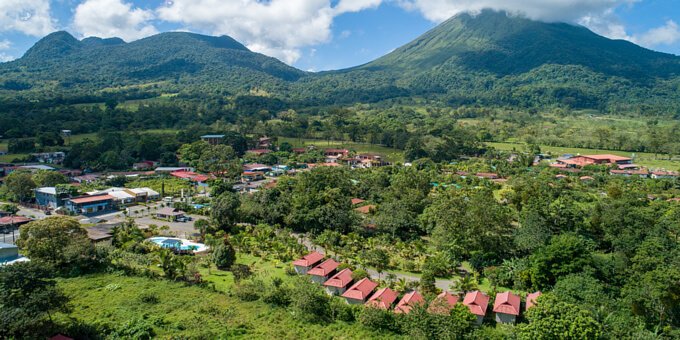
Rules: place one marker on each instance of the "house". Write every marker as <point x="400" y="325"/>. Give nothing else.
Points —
<point x="90" y="204"/>
<point x="170" y="214"/>
<point x="122" y="198"/>
<point x="145" y="194"/>
<point x="9" y="254"/>
<point x="382" y="299"/>
<point x="339" y="283"/>
<point x="365" y="210"/>
<point x="643" y="173"/>
<point x="584" y="160"/>
<point x="49" y="157"/>
<point x="256" y="167"/>
<point x="659" y="174"/>
<point x="264" y="143"/>
<point x="13" y="221"/>
<point x="49" y="198"/>
<point x="85" y="179"/>
<point x="307" y="262"/>
<point x="357" y="201"/>
<point x="443" y="303"/>
<point x="144" y="165"/>
<point x="99" y="236"/>
<point x="336" y="152"/>
<point x="506" y="306"/>
<point x="190" y="176"/>
<point x="409" y="301"/>
<point x="586" y="178"/>
<point x="324" y="271"/>
<point x="36" y="168"/>
<point x="477" y="302"/>
<point x="167" y="170"/>
<point x="487" y="175"/>
<point x="213" y="139"/>
<point x="531" y="299"/>
<point x="360" y="291"/>
<point x="252" y="176"/>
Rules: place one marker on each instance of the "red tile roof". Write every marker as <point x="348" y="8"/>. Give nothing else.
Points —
<point x="325" y="268"/>
<point x="340" y="280"/>
<point x="531" y="299"/>
<point x="309" y="260"/>
<point x="360" y="290"/>
<point x="409" y="301"/>
<point x="365" y="209"/>
<point x="607" y="157"/>
<point x="356" y="201"/>
<point x="91" y="199"/>
<point x="443" y="303"/>
<point x="383" y="299"/>
<point x="477" y="302"/>
<point x="506" y="303"/>
<point x="7" y="220"/>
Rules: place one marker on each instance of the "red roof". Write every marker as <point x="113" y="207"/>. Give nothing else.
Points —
<point x="365" y="209"/>
<point x="340" y="280"/>
<point x="192" y="176"/>
<point x="383" y="299"/>
<point x="14" y="220"/>
<point x="325" y="268"/>
<point x="443" y="303"/>
<point x="607" y="157"/>
<point x="60" y="337"/>
<point x="487" y="175"/>
<point x="408" y="302"/>
<point x="507" y="303"/>
<point x="360" y="290"/>
<point x="356" y="201"/>
<point x="477" y="302"/>
<point x="309" y="260"/>
<point x="91" y="199"/>
<point x="586" y="178"/>
<point x="531" y="299"/>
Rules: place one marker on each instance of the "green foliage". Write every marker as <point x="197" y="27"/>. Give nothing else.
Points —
<point x="421" y="324"/>
<point x="566" y="254"/>
<point x="551" y="319"/>
<point x="20" y="186"/>
<point x="224" y="255"/>
<point x="49" y="178"/>
<point x="309" y="302"/>
<point x="224" y="211"/>
<point x="379" y="319"/>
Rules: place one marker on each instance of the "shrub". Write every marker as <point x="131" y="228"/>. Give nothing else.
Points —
<point x="340" y="310"/>
<point x="309" y="302"/>
<point x="134" y="329"/>
<point x="149" y="298"/>
<point x="241" y="272"/>
<point x="249" y="290"/>
<point x="278" y="294"/>
<point x="224" y="255"/>
<point x="378" y="319"/>
<point x="359" y="274"/>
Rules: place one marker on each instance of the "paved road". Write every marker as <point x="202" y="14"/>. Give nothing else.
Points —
<point x="443" y="284"/>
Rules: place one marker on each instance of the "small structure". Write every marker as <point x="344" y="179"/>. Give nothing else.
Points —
<point x="49" y="157"/>
<point x="382" y="299"/>
<point x="13" y="221"/>
<point x="90" y="204"/>
<point x="339" y="283"/>
<point x="443" y="303"/>
<point x="256" y="167"/>
<point x="487" y="175"/>
<point x="307" y="262"/>
<point x="659" y="174"/>
<point x="145" y="165"/>
<point x="9" y="254"/>
<point x="252" y="176"/>
<point x="324" y="271"/>
<point x="477" y="302"/>
<point x="365" y="210"/>
<point x="170" y="214"/>
<point x="584" y="160"/>
<point x="357" y="201"/>
<point x="410" y="300"/>
<point x="213" y="139"/>
<point x="506" y="306"/>
<point x="99" y="236"/>
<point x="360" y="291"/>
<point x="531" y="299"/>
<point x="167" y="170"/>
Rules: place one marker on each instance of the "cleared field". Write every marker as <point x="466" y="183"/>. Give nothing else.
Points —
<point x="390" y="154"/>
<point x="641" y="158"/>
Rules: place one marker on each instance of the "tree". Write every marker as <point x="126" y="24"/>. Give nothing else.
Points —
<point x="202" y="225"/>
<point x="421" y="324"/>
<point x="566" y="254"/>
<point x="224" y="255"/>
<point x="309" y="302"/>
<point x="20" y="185"/>
<point x="378" y="259"/>
<point x="464" y="284"/>
<point x="60" y="242"/>
<point x="224" y="211"/>
<point x="551" y="318"/>
<point x="28" y="297"/>
<point x="46" y="178"/>
<point x="12" y="209"/>
<point x="427" y="283"/>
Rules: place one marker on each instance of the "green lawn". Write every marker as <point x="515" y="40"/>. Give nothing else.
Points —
<point x="641" y="158"/>
<point x="190" y="312"/>
<point x="390" y="154"/>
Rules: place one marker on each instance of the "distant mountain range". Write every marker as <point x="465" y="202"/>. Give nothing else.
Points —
<point x="488" y="59"/>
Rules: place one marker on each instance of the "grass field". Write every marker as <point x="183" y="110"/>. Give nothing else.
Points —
<point x="190" y="312"/>
<point x="390" y="154"/>
<point x="641" y="158"/>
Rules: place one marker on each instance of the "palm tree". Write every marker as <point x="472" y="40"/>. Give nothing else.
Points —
<point x="401" y="285"/>
<point x="465" y="284"/>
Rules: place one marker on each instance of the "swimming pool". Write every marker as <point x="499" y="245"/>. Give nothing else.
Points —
<point x="178" y="243"/>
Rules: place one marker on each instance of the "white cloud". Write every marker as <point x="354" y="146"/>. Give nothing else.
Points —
<point x="113" y="18"/>
<point x="278" y="28"/>
<point x="30" y="17"/>
<point x="6" y="57"/>
<point x="554" y="10"/>
<point x="5" y="44"/>
<point x="665" y="35"/>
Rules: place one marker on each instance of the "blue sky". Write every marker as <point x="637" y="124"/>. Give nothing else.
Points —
<point x="319" y="34"/>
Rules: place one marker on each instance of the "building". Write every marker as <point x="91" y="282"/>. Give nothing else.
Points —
<point x="664" y="174"/>
<point x="213" y="139"/>
<point x="145" y="165"/>
<point x="360" y="291"/>
<point x="49" y="157"/>
<point x="487" y="175"/>
<point x="36" y="168"/>
<point x="190" y="176"/>
<point x="49" y="198"/>
<point x="324" y="271"/>
<point x="252" y="176"/>
<point x="258" y="152"/>
<point x="584" y="160"/>
<point x="477" y="302"/>
<point x="9" y="254"/>
<point x="264" y="143"/>
<point x="99" y="236"/>
<point x="167" y="170"/>
<point x="357" y="201"/>
<point x="443" y="303"/>
<point x="170" y="214"/>
<point x="336" y="152"/>
<point x="410" y="300"/>
<point x="507" y="307"/>
<point x="88" y="205"/>
<point x="11" y="222"/>
<point x="256" y="167"/>
<point x="382" y="299"/>
<point x="365" y="210"/>
<point x="643" y="173"/>
<point x="339" y="283"/>
<point x="307" y="262"/>
<point x="531" y="299"/>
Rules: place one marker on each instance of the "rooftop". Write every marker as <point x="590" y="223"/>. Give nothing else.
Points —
<point x="340" y="280"/>
<point x="531" y="299"/>
<point x="383" y="298"/>
<point x="309" y="260"/>
<point x="506" y="303"/>
<point x="91" y="199"/>
<point x="47" y="190"/>
<point x="408" y="302"/>
<point x="360" y="290"/>
<point x="325" y="268"/>
<point x="477" y="302"/>
<point x="443" y="303"/>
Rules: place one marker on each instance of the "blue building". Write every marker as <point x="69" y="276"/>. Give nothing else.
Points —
<point x="90" y="205"/>
<point x="49" y="197"/>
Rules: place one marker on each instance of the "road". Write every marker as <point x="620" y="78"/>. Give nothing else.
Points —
<point x="442" y="284"/>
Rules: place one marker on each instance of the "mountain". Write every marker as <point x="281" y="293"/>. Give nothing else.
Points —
<point x="491" y="58"/>
<point x="59" y="62"/>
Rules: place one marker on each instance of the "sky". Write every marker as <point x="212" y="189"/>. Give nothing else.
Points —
<point x="319" y="35"/>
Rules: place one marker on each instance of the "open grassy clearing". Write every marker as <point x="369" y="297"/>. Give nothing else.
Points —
<point x="390" y="154"/>
<point x="641" y="158"/>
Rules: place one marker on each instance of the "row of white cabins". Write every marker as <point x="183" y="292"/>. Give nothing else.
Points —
<point x="507" y="305"/>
